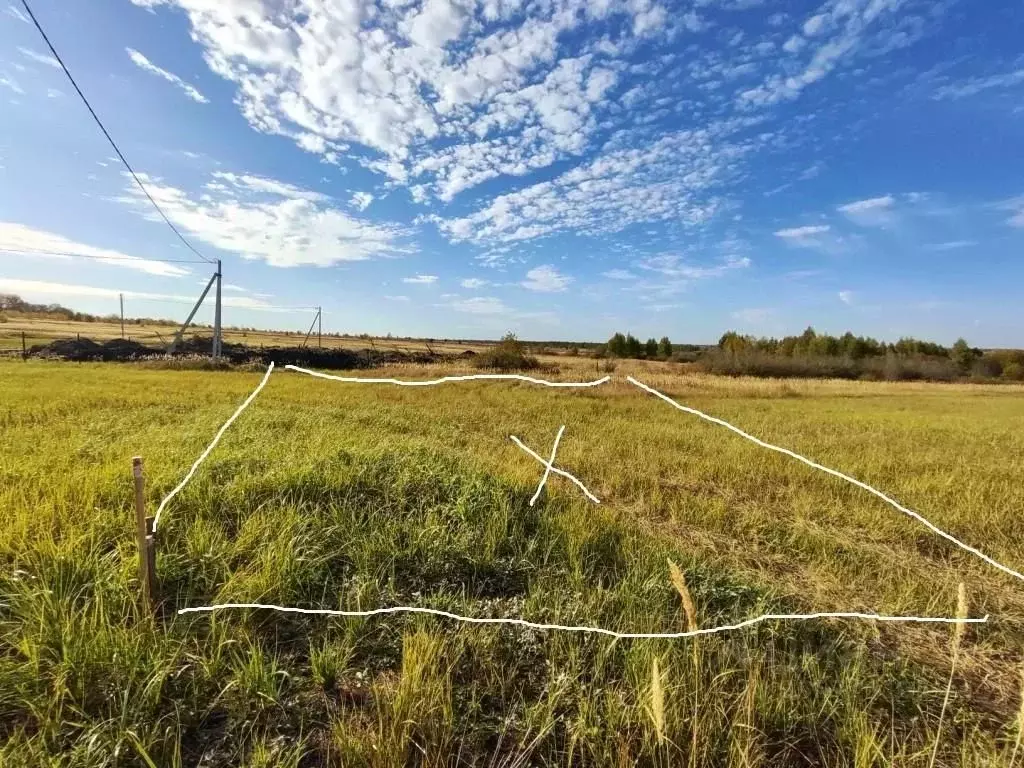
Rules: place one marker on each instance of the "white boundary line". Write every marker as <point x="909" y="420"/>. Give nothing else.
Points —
<point x="447" y="379"/>
<point x="931" y="526"/>
<point x="555" y="469"/>
<point x="210" y="447"/>
<point x="592" y="630"/>
<point x="547" y="466"/>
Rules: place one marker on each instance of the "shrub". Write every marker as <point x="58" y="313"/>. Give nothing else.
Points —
<point x="1013" y="372"/>
<point x="507" y="355"/>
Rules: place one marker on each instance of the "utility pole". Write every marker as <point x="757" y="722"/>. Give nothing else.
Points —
<point x="216" y="318"/>
<point x="122" y="314"/>
<point x="319" y="327"/>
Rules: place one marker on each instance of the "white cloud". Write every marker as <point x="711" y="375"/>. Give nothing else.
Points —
<point x="546" y="279"/>
<point x="618" y="274"/>
<point x="873" y="212"/>
<point x="40" y="58"/>
<point x="422" y="84"/>
<point x="976" y="85"/>
<point x="11" y="83"/>
<point x="473" y="283"/>
<point x="259" y="218"/>
<point x="951" y="245"/>
<point x="420" y="280"/>
<point x="848" y="26"/>
<point x="846" y="297"/>
<point x="801" y="233"/>
<point x="28" y="242"/>
<point x="361" y="200"/>
<point x="672" y="265"/>
<point x="480" y="305"/>
<point x="397" y="298"/>
<point x="145" y="64"/>
<point x="30" y="289"/>
<point x="670" y="179"/>
<point x="17" y="13"/>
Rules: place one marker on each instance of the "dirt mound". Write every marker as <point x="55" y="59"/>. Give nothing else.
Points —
<point x="82" y="350"/>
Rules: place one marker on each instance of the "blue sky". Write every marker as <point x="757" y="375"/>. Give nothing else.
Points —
<point x="559" y="168"/>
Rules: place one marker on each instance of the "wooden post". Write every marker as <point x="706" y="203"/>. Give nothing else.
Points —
<point x="144" y="538"/>
<point x="24" y="350"/>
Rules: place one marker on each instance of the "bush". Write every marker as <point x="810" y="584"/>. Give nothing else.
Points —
<point x="507" y="355"/>
<point x="1013" y="372"/>
<point x="888" y="368"/>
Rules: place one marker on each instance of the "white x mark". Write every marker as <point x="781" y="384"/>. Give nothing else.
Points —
<point x="549" y="467"/>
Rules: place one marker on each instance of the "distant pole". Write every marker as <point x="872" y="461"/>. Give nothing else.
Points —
<point x="319" y="327"/>
<point x="216" y="318"/>
<point x="122" y="314"/>
<point x="144" y="537"/>
<point x="24" y="349"/>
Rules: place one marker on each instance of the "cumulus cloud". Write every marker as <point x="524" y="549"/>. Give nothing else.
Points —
<point x="27" y="242"/>
<point x="420" y="280"/>
<point x="269" y="220"/>
<point x="422" y="84"/>
<point x="361" y="200"/>
<point x="473" y="283"/>
<point x="546" y="279"/>
<point x="146" y="65"/>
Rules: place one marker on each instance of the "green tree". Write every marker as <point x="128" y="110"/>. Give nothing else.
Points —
<point x="633" y="346"/>
<point x="733" y="343"/>
<point x="665" y="347"/>
<point x="616" y="346"/>
<point x="962" y="355"/>
<point x="651" y="349"/>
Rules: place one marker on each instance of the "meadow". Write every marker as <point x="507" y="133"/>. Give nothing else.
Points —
<point x="332" y="495"/>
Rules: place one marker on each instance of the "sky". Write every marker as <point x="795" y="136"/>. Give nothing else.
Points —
<point x="561" y="169"/>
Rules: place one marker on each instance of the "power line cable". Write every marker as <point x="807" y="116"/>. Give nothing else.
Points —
<point x="109" y="137"/>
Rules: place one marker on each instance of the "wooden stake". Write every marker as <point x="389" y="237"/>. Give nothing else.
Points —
<point x="24" y="351"/>
<point x="144" y="537"/>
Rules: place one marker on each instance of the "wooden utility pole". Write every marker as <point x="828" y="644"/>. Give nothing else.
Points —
<point x="319" y="327"/>
<point x="24" y="349"/>
<point x="122" y="314"/>
<point x="216" y="318"/>
<point x="144" y="538"/>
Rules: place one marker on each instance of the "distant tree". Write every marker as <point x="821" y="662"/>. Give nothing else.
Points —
<point x="651" y="348"/>
<point x="733" y="342"/>
<point x="665" y="347"/>
<point x="616" y="346"/>
<point x="962" y="355"/>
<point x="633" y="346"/>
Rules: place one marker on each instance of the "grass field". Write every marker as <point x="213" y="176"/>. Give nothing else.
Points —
<point x="40" y="330"/>
<point x="335" y="495"/>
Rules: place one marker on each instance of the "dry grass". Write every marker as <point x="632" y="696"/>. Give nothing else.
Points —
<point x="325" y="494"/>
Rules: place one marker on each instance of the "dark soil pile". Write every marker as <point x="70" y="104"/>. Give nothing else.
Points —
<point x="122" y="350"/>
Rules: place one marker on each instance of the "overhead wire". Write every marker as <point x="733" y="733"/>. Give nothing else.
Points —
<point x="70" y="255"/>
<point x="106" y="133"/>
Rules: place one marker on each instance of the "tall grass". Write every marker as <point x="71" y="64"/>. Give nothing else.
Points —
<point x="345" y="497"/>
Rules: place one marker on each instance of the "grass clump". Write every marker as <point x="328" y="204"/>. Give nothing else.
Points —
<point x="509" y="354"/>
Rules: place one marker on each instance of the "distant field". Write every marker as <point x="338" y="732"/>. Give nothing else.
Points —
<point x="42" y="331"/>
<point x="340" y="495"/>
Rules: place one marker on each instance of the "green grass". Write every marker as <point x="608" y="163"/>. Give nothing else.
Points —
<point x="346" y="496"/>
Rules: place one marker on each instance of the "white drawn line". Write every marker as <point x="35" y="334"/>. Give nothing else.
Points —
<point x="547" y="465"/>
<point x="931" y="526"/>
<point x="447" y="379"/>
<point x="593" y="630"/>
<point x="555" y="469"/>
<point x="210" y="447"/>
